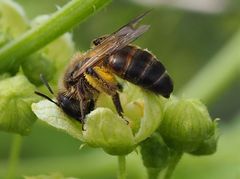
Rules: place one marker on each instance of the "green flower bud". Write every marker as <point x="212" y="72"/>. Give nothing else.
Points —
<point x="37" y="64"/>
<point x="107" y="130"/>
<point x="186" y="124"/>
<point x="12" y="18"/>
<point x="208" y="146"/>
<point x="58" y="52"/>
<point x="16" y="95"/>
<point x="13" y="22"/>
<point x="104" y="127"/>
<point x="155" y="154"/>
<point x="132" y="110"/>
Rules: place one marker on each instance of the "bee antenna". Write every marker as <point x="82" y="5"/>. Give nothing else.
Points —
<point x="46" y="97"/>
<point x="44" y="81"/>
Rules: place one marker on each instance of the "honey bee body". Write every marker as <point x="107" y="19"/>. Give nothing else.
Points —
<point x="141" y="68"/>
<point x="94" y="72"/>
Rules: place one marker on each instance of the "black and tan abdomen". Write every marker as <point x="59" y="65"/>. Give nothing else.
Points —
<point x="141" y="68"/>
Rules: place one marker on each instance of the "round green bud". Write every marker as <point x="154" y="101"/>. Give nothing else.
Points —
<point x="13" y="20"/>
<point x="37" y="64"/>
<point x="107" y="130"/>
<point x="186" y="124"/>
<point x="16" y="95"/>
<point x="208" y="146"/>
<point x="58" y="52"/>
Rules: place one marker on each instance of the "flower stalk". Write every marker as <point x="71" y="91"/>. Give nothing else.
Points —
<point x="14" y="156"/>
<point x="176" y="156"/>
<point x="121" y="167"/>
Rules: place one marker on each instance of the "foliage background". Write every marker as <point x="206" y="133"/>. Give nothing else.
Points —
<point x="184" y="41"/>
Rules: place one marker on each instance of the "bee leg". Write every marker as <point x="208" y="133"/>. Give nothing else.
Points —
<point x="110" y="89"/>
<point x="83" y="129"/>
<point x="118" y="106"/>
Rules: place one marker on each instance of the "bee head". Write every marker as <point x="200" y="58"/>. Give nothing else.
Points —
<point x="73" y="107"/>
<point x="69" y="105"/>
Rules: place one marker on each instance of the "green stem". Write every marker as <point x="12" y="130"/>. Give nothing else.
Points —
<point x="216" y="76"/>
<point x="176" y="156"/>
<point x="153" y="173"/>
<point x="64" y="19"/>
<point x="121" y="167"/>
<point x="14" y="156"/>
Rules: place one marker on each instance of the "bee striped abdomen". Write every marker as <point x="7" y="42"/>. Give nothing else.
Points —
<point x="141" y="68"/>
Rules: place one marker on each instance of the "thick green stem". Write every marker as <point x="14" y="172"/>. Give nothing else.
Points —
<point x="217" y="75"/>
<point x="14" y="156"/>
<point x="176" y="156"/>
<point x="122" y="167"/>
<point x="64" y="19"/>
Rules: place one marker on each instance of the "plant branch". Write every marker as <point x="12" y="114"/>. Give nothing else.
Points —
<point x="217" y="75"/>
<point x="64" y="19"/>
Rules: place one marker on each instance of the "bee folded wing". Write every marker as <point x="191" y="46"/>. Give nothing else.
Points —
<point x="114" y="42"/>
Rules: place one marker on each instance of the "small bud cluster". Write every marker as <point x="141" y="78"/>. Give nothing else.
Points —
<point x="186" y="127"/>
<point x="19" y="82"/>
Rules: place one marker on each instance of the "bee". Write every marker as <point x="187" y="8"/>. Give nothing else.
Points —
<point x="95" y="72"/>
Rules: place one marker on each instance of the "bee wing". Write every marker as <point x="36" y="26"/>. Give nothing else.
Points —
<point x="113" y="43"/>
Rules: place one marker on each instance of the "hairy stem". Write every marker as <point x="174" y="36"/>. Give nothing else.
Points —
<point x="176" y="156"/>
<point x="64" y="19"/>
<point x="216" y="76"/>
<point x="14" y="156"/>
<point x="121" y="167"/>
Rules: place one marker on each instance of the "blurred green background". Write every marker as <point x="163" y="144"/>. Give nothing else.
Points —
<point x="185" y="40"/>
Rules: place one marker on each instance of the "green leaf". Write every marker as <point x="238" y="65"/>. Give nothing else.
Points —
<point x="16" y="95"/>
